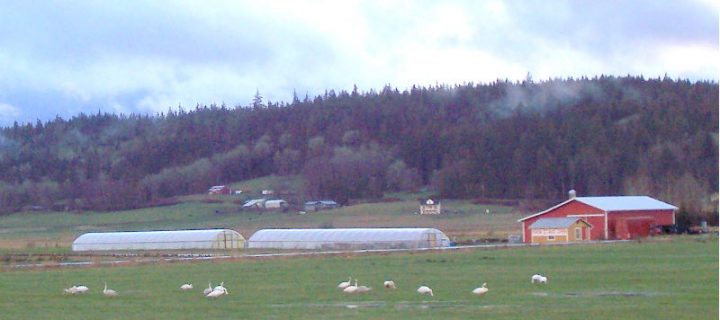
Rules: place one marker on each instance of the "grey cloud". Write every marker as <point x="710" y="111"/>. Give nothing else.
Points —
<point x="146" y="56"/>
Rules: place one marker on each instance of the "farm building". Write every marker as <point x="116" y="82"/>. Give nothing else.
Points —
<point x="264" y="204"/>
<point x="255" y="203"/>
<point x="317" y="205"/>
<point x="430" y="206"/>
<point x="621" y="217"/>
<point x="276" y="204"/>
<point x="344" y="239"/>
<point x="160" y="240"/>
<point x="219" y="190"/>
<point x="559" y="230"/>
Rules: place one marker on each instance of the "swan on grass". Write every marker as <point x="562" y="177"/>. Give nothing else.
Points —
<point x="109" y="292"/>
<point x="344" y="284"/>
<point x="481" y="290"/>
<point x="217" y="293"/>
<point x="537" y="278"/>
<point x="208" y="289"/>
<point x="425" y="290"/>
<point x="351" y="289"/>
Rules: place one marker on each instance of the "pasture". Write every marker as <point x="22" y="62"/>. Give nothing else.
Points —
<point x="661" y="278"/>
<point x="41" y="231"/>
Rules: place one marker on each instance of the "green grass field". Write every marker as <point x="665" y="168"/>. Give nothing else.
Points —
<point x="462" y="220"/>
<point x="664" y="278"/>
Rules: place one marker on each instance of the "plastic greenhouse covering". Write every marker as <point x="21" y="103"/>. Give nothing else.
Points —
<point x="355" y="238"/>
<point x="160" y="240"/>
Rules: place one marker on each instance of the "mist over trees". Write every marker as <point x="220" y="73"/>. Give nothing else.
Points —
<point x="601" y="136"/>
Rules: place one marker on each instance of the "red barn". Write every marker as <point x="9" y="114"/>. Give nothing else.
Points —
<point x="624" y="217"/>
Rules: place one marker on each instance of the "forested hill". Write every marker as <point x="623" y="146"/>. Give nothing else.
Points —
<point x="600" y="136"/>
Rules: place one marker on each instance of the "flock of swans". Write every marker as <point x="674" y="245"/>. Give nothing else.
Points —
<point x="210" y="292"/>
<point x="349" y="287"/>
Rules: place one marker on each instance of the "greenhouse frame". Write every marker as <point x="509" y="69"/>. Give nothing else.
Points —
<point x="160" y="240"/>
<point x="349" y="239"/>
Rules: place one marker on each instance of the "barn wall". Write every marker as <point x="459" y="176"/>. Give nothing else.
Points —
<point x="583" y="232"/>
<point x="541" y="235"/>
<point x="634" y="224"/>
<point x="561" y="235"/>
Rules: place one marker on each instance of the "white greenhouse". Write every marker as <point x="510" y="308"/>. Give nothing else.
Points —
<point x="160" y="240"/>
<point x="354" y="238"/>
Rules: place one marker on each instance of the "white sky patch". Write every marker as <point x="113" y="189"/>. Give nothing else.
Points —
<point x="690" y="60"/>
<point x="8" y="112"/>
<point x="425" y="66"/>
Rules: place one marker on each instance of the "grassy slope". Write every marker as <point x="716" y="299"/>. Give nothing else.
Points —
<point x="674" y="279"/>
<point x="462" y="219"/>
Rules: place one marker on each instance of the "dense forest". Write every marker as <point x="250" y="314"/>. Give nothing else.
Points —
<point x="523" y="140"/>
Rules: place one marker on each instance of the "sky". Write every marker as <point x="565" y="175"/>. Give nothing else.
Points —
<point x="61" y="58"/>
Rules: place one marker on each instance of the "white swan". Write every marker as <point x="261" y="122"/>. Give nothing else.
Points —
<point x="362" y="289"/>
<point x="389" y="284"/>
<point x="70" y="290"/>
<point x="220" y="287"/>
<point x="208" y="289"/>
<point x="217" y="293"/>
<point x="537" y="278"/>
<point x="344" y="284"/>
<point x="351" y="289"/>
<point x="81" y="289"/>
<point x="186" y="286"/>
<point x="481" y="291"/>
<point x="425" y="290"/>
<point x="109" y="292"/>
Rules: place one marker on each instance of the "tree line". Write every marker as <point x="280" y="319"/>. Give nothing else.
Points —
<point x="533" y="140"/>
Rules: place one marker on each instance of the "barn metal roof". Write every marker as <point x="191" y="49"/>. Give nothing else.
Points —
<point x="626" y="203"/>
<point x="614" y="203"/>
<point x="554" y="223"/>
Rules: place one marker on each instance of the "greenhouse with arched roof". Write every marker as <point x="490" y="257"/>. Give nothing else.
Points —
<point x="351" y="238"/>
<point x="160" y="240"/>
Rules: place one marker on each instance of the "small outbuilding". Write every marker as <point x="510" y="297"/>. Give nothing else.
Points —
<point x="349" y="239"/>
<point x="430" y="206"/>
<point x="254" y="204"/>
<point x="318" y="205"/>
<point x="219" y="190"/>
<point x="160" y="240"/>
<point x="559" y="230"/>
<point x="276" y="204"/>
<point x="265" y="204"/>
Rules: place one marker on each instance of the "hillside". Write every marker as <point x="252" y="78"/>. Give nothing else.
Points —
<point x="600" y="136"/>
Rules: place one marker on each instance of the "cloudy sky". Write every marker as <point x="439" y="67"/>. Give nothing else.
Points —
<point x="66" y="57"/>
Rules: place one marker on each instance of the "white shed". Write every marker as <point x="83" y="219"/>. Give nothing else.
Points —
<point x="160" y="240"/>
<point x="353" y="238"/>
<point x="276" y="204"/>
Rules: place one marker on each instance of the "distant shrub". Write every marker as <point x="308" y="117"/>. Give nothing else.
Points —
<point x="326" y="225"/>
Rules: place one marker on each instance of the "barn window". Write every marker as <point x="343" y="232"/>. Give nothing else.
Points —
<point x="578" y="234"/>
<point x="551" y="238"/>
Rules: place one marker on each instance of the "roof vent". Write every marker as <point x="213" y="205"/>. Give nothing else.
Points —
<point x="572" y="194"/>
